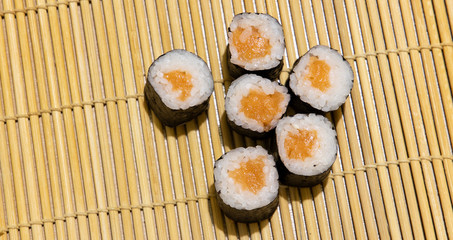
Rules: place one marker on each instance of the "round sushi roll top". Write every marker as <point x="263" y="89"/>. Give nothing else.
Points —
<point x="320" y="80"/>
<point x="178" y="87"/>
<point x="256" y="45"/>
<point x="246" y="183"/>
<point x="307" y="148"/>
<point x="254" y="105"/>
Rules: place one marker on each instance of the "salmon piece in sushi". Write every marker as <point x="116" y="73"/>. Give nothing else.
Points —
<point x="246" y="183"/>
<point x="307" y="148"/>
<point x="178" y="87"/>
<point x="255" y="45"/>
<point x="255" y="104"/>
<point x="320" y="81"/>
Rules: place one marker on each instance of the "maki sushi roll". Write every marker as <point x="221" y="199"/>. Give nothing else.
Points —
<point x="246" y="183"/>
<point x="307" y="148"/>
<point x="178" y="87"/>
<point x="255" y="45"/>
<point x="254" y="105"/>
<point x="320" y="81"/>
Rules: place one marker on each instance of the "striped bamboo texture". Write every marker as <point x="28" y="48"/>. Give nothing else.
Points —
<point x="81" y="156"/>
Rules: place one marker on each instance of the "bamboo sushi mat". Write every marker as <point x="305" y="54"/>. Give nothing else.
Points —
<point x="81" y="156"/>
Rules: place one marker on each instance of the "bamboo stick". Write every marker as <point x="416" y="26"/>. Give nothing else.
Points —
<point x="80" y="167"/>
<point x="115" y="137"/>
<point x="446" y="110"/>
<point x="249" y="6"/>
<point x="181" y="167"/>
<point x="366" y="142"/>
<point x="426" y="112"/>
<point x="60" y="168"/>
<point x="5" y="160"/>
<point x="105" y="197"/>
<point x="123" y="122"/>
<point x="441" y="30"/>
<point x="41" y="153"/>
<point x="408" y="132"/>
<point x="396" y="128"/>
<point x="77" y="186"/>
<point x="353" y="153"/>
<point x="34" y="120"/>
<point x="24" y="190"/>
<point x="92" y="145"/>
<point x="133" y="70"/>
<point x="260" y="6"/>
<point x="382" y="120"/>
<point x="436" y="105"/>
<point x="156" y="189"/>
<point x="3" y="227"/>
<point x="343" y="180"/>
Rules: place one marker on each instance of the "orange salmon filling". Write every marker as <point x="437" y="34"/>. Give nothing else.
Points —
<point x="261" y="107"/>
<point x="250" y="175"/>
<point x="180" y="81"/>
<point x="318" y="74"/>
<point x="250" y="44"/>
<point x="300" y="145"/>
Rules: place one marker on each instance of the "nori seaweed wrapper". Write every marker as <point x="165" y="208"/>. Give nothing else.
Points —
<point x="243" y="215"/>
<point x="168" y="116"/>
<point x="298" y="105"/>
<point x="288" y="178"/>
<point x="237" y="71"/>
<point x="249" y="132"/>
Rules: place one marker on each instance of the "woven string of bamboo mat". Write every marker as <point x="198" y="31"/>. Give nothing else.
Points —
<point x="82" y="157"/>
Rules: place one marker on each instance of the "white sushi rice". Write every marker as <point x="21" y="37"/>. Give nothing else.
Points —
<point x="240" y="88"/>
<point x="325" y="149"/>
<point x="231" y="192"/>
<point x="181" y="60"/>
<point x="268" y="28"/>
<point x="340" y="77"/>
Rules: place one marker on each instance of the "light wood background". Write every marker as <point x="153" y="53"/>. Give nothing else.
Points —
<point x="82" y="157"/>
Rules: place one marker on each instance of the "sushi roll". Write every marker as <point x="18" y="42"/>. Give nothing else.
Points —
<point x="307" y="148"/>
<point x="320" y="81"/>
<point x="246" y="183"/>
<point x="255" y="45"/>
<point x="178" y="87"/>
<point x="254" y="105"/>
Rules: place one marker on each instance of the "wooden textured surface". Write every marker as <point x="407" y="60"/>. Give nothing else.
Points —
<point x="81" y="156"/>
